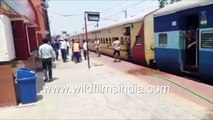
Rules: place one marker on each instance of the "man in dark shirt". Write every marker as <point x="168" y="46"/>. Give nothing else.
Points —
<point x="55" y="45"/>
<point x="191" y="46"/>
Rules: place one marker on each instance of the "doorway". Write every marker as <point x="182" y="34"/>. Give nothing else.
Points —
<point x="128" y="41"/>
<point x="191" y="38"/>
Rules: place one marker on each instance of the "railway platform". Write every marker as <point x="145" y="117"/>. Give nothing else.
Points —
<point x="120" y="90"/>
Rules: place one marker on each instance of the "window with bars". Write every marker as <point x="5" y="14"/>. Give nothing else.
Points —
<point x="107" y="41"/>
<point x="138" y="40"/>
<point x="207" y="39"/>
<point x="115" y="38"/>
<point x="110" y="40"/>
<point x="163" y="40"/>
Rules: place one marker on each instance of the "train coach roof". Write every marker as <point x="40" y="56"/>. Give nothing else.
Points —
<point x="120" y="23"/>
<point x="181" y="5"/>
<point x="123" y="22"/>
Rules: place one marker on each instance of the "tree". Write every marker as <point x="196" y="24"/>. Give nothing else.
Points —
<point x="172" y="1"/>
<point x="163" y="3"/>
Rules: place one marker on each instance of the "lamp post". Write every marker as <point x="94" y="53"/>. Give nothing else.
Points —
<point x="85" y="22"/>
<point x="125" y="11"/>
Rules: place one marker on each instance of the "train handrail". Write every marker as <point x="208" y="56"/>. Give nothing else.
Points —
<point x="182" y="33"/>
<point x="197" y="47"/>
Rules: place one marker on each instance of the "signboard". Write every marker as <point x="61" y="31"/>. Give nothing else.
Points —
<point x="203" y="19"/>
<point x="93" y="16"/>
<point x="174" y="23"/>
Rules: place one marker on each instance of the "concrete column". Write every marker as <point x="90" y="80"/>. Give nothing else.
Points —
<point x="7" y="53"/>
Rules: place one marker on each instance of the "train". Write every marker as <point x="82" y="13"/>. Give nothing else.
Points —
<point x="157" y="38"/>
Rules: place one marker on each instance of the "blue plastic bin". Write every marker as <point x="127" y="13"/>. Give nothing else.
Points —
<point x="26" y="79"/>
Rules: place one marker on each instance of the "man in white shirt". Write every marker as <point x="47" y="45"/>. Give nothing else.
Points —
<point x="46" y="53"/>
<point x="63" y="47"/>
<point x="85" y="49"/>
<point x="116" y="54"/>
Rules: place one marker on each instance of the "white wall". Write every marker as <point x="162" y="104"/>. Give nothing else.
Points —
<point x="7" y="49"/>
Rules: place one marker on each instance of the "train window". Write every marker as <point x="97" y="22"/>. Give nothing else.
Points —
<point x="127" y="31"/>
<point x="138" y="40"/>
<point x="115" y="38"/>
<point x="207" y="39"/>
<point x="103" y="40"/>
<point x="163" y="40"/>
<point x="107" y="41"/>
<point x="122" y="40"/>
<point x="100" y="40"/>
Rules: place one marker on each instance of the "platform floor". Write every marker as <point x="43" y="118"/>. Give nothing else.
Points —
<point x="81" y="93"/>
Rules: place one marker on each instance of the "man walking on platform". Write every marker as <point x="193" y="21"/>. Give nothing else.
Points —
<point x="116" y="53"/>
<point x="63" y="47"/>
<point x="46" y="53"/>
<point x="85" y="49"/>
<point x="55" y="45"/>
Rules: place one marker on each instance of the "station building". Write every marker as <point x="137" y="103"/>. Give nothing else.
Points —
<point x="23" y="25"/>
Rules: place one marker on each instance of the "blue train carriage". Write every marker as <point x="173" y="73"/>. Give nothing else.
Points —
<point x="174" y="25"/>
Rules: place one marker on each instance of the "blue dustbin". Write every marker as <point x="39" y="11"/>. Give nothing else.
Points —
<point x="26" y="79"/>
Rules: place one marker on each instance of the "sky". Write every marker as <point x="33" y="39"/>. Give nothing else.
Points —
<point x="68" y="15"/>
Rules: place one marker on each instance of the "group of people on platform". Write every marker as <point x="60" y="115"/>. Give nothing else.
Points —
<point x="49" y="52"/>
<point x="62" y="45"/>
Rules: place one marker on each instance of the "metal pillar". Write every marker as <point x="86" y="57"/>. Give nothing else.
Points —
<point x="85" y="21"/>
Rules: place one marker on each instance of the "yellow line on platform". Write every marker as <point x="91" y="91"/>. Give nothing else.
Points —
<point x="183" y="87"/>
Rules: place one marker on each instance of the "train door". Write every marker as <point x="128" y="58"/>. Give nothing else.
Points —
<point x="128" y="41"/>
<point x="190" y="43"/>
